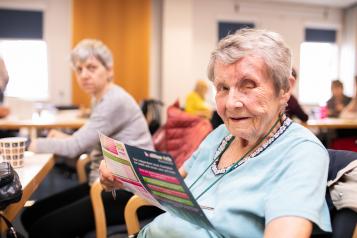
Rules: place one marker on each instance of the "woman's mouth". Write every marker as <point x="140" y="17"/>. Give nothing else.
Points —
<point x="238" y="118"/>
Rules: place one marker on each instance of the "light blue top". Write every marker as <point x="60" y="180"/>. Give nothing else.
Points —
<point x="287" y="179"/>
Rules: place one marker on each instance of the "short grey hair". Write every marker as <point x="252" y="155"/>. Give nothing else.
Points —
<point x="91" y="47"/>
<point x="265" y="44"/>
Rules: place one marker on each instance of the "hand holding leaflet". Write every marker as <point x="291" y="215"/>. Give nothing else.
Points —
<point x="153" y="176"/>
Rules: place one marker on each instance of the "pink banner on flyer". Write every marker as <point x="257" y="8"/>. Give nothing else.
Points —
<point x="121" y="179"/>
<point x="168" y="191"/>
<point x="158" y="176"/>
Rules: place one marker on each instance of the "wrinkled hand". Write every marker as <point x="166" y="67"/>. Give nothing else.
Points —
<point x="57" y="134"/>
<point x="106" y="178"/>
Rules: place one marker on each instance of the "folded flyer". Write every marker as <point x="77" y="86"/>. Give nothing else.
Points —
<point x="153" y="176"/>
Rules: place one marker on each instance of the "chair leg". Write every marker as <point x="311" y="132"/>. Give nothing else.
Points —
<point x="98" y="208"/>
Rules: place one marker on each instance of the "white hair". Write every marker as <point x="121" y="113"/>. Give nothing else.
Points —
<point x="265" y="44"/>
<point x="91" y="47"/>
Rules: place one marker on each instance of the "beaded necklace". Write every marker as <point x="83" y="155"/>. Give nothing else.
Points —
<point x="222" y="148"/>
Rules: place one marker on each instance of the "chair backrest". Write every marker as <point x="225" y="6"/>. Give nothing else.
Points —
<point x="182" y="134"/>
<point x="344" y="221"/>
<point x="151" y="109"/>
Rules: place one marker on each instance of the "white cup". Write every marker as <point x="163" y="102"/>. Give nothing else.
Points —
<point x="12" y="150"/>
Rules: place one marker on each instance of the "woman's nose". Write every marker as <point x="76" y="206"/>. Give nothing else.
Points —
<point x="84" y="73"/>
<point x="234" y="99"/>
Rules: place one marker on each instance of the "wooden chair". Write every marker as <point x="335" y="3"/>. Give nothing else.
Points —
<point x="82" y="161"/>
<point x="98" y="208"/>
<point x="131" y="216"/>
<point x="95" y="195"/>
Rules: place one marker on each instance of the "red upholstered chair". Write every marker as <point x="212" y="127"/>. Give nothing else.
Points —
<point x="344" y="143"/>
<point x="182" y="134"/>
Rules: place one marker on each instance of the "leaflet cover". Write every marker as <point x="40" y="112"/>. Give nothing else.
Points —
<point x="153" y="176"/>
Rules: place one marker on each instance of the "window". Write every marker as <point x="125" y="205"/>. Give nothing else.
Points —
<point x="26" y="62"/>
<point x="318" y="66"/>
<point x="25" y="53"/>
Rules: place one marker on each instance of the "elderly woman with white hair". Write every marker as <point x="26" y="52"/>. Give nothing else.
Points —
<point x="261" y="174"/>
<point x="114" y="113"/>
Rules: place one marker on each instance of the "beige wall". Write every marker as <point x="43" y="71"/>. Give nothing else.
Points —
<point x="348" y="63"/>
<point x="177" y="49"/>
<point x="190" y="32"/>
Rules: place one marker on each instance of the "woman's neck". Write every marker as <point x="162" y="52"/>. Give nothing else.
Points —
<point x="242" y="147"/>
<point x="246" y="144"/>
<point x="98" y="96"/>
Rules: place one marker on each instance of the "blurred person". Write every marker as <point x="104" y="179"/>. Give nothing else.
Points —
<point x="294" y="109"/>
<point x="4" y="110"/>
<point x="350" y="111"/>
<point x="338" y="100"/>
<point x="195" y="101"/>
<point x="4" y="79"/>
<point x="346" y="139"/>
<point x="260" y="173"/>
<point x="114" y="113"/>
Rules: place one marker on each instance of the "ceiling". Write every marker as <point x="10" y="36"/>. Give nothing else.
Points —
<point x="330" y="3"/>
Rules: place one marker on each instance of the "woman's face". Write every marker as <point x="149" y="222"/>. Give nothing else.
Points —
<point x="246" y="99"/>
<point x="93" y="76"/>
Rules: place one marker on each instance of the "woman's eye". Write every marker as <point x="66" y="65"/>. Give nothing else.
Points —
<point x="91" y="68"/>
<point x="222" y="88"/>
<point x="79" y="70"/>
<point x="249" y="85"/>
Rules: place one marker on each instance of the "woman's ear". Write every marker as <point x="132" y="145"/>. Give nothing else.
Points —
<point x="110" y="73"/>
<point x="285" y="95"/>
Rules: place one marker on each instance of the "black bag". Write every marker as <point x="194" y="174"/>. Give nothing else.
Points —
<point x="10" y="185"/>
<point x="11" y="232"/>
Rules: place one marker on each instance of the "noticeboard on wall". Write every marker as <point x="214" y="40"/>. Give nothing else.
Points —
<point x="226" y="28"/>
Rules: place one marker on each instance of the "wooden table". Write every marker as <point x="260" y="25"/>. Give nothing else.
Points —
<point x="35" y="169"/>
<point x="332" y="123"/>
<point x="62" y="119"/>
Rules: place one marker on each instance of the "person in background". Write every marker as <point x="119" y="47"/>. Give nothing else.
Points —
<point x="114" y="113"/>
<point x="195" y="101"/>
<point x="350" y="111"/>
<point x="260" y="173"/>
<point x="338" y="100"/>
<point x="294" y="109"/>
<point x="4" y="79"/>
<point x="4" y="110"/>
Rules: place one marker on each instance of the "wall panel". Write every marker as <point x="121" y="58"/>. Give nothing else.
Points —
<point x="124" y="26"/>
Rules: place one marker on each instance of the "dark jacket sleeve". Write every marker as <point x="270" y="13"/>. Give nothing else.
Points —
<point x="294" y="109"/>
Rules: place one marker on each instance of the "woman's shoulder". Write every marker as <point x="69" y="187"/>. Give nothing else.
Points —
<point x="117" y="97"/>
<point x="299" y="140"/>
<point x="118" y="92"/>
<point x="299" y="132"/>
